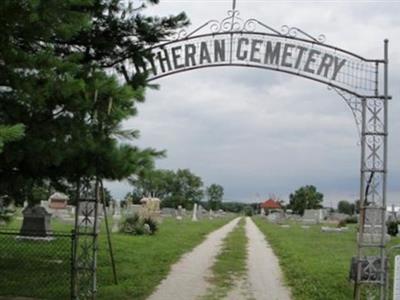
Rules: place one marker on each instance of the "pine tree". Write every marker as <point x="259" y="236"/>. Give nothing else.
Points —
<point x="10" y="134"/>
<point x="56" y="64"/>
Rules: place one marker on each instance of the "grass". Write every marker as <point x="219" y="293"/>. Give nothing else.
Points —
<point x="316" y="264"/>
<point x="142" y="261"/>
<point x="40" y="269"/>
<point x="230" y="265"/>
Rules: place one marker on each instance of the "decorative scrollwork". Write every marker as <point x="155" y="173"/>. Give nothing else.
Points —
<point x="354" y="104"/>
<point x="233" y="22"/>
<point x="295" y="31"/>
<point x="180" y="34"/>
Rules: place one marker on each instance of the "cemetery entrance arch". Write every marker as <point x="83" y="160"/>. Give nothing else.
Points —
<point x="361" y="82"/>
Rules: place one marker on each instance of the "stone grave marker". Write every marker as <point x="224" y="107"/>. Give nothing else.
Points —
<point x="36" y="223"/>
<point x="194" y="216"/>
<point x="179" y="213"/>
<point x="373" y="226"/>
<point x="151" y="208"/>
<point x="313" y="216"/>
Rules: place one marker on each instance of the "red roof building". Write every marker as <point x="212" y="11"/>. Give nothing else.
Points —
<point x="271" y="204"/>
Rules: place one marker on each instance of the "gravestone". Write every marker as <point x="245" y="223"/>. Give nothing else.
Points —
<point x="150" y="208"/>
<point x="179" y="213"/>
<point x="58" y="206"/>
<point x="36" y="222"/>
<point x="373" y="226"/>
<point x="313" y="216"/>
<point x="58" y="201"/>
<point x="194" y="216"/>
<point x="276" y="217"/>
<point x="116" y="221"/>
<point x="200" y="212"/>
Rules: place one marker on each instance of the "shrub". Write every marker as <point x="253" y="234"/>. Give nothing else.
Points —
<point x="153" y="225"/>
<point x="136" y="226"/>
<point x="342" y="223"/>
<point x="352" y="220"/>
<point x="392" y="228"/>
<point x="248" y="211"/>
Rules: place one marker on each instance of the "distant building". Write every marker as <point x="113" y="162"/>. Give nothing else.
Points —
<point x="270" y="205"/>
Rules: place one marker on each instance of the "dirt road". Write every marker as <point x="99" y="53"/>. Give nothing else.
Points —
<point x="264" y="280"/>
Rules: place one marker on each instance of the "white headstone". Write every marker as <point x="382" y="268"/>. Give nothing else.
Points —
<point x="194" y="217"/>
<point x="116" y="220"/>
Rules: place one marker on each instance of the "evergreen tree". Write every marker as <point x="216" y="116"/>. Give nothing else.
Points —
<point x="10" y="134"/>
<point x="56" y="61"/>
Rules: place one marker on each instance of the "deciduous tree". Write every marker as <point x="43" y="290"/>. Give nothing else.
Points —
<point x="306" y="197"/>
<point x="346" y="207"/>
<point x="215" y="193"/>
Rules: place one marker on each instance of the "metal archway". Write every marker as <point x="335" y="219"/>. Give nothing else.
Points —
<point x="361" y="82"/>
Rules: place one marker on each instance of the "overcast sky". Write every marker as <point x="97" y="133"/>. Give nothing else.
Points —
<point x="259" y="132"/>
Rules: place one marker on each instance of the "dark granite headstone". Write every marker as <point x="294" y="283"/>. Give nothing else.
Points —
<point x="36" y="222"/>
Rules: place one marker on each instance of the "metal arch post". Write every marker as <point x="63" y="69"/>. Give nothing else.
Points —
<point x="371" y="252"/>
<point x="385" y="167"/>
<point x="357" y="288"/>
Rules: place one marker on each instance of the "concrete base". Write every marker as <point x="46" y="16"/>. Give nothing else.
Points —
<point x="34" y="238"/>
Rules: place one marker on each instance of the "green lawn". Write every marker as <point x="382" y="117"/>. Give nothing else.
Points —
<point x="315" y="264"/>
<point x="142" y="261"/>
<point x="230" y="265"/>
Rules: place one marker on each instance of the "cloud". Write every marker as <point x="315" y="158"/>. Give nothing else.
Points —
<point x="262" y="132"/>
